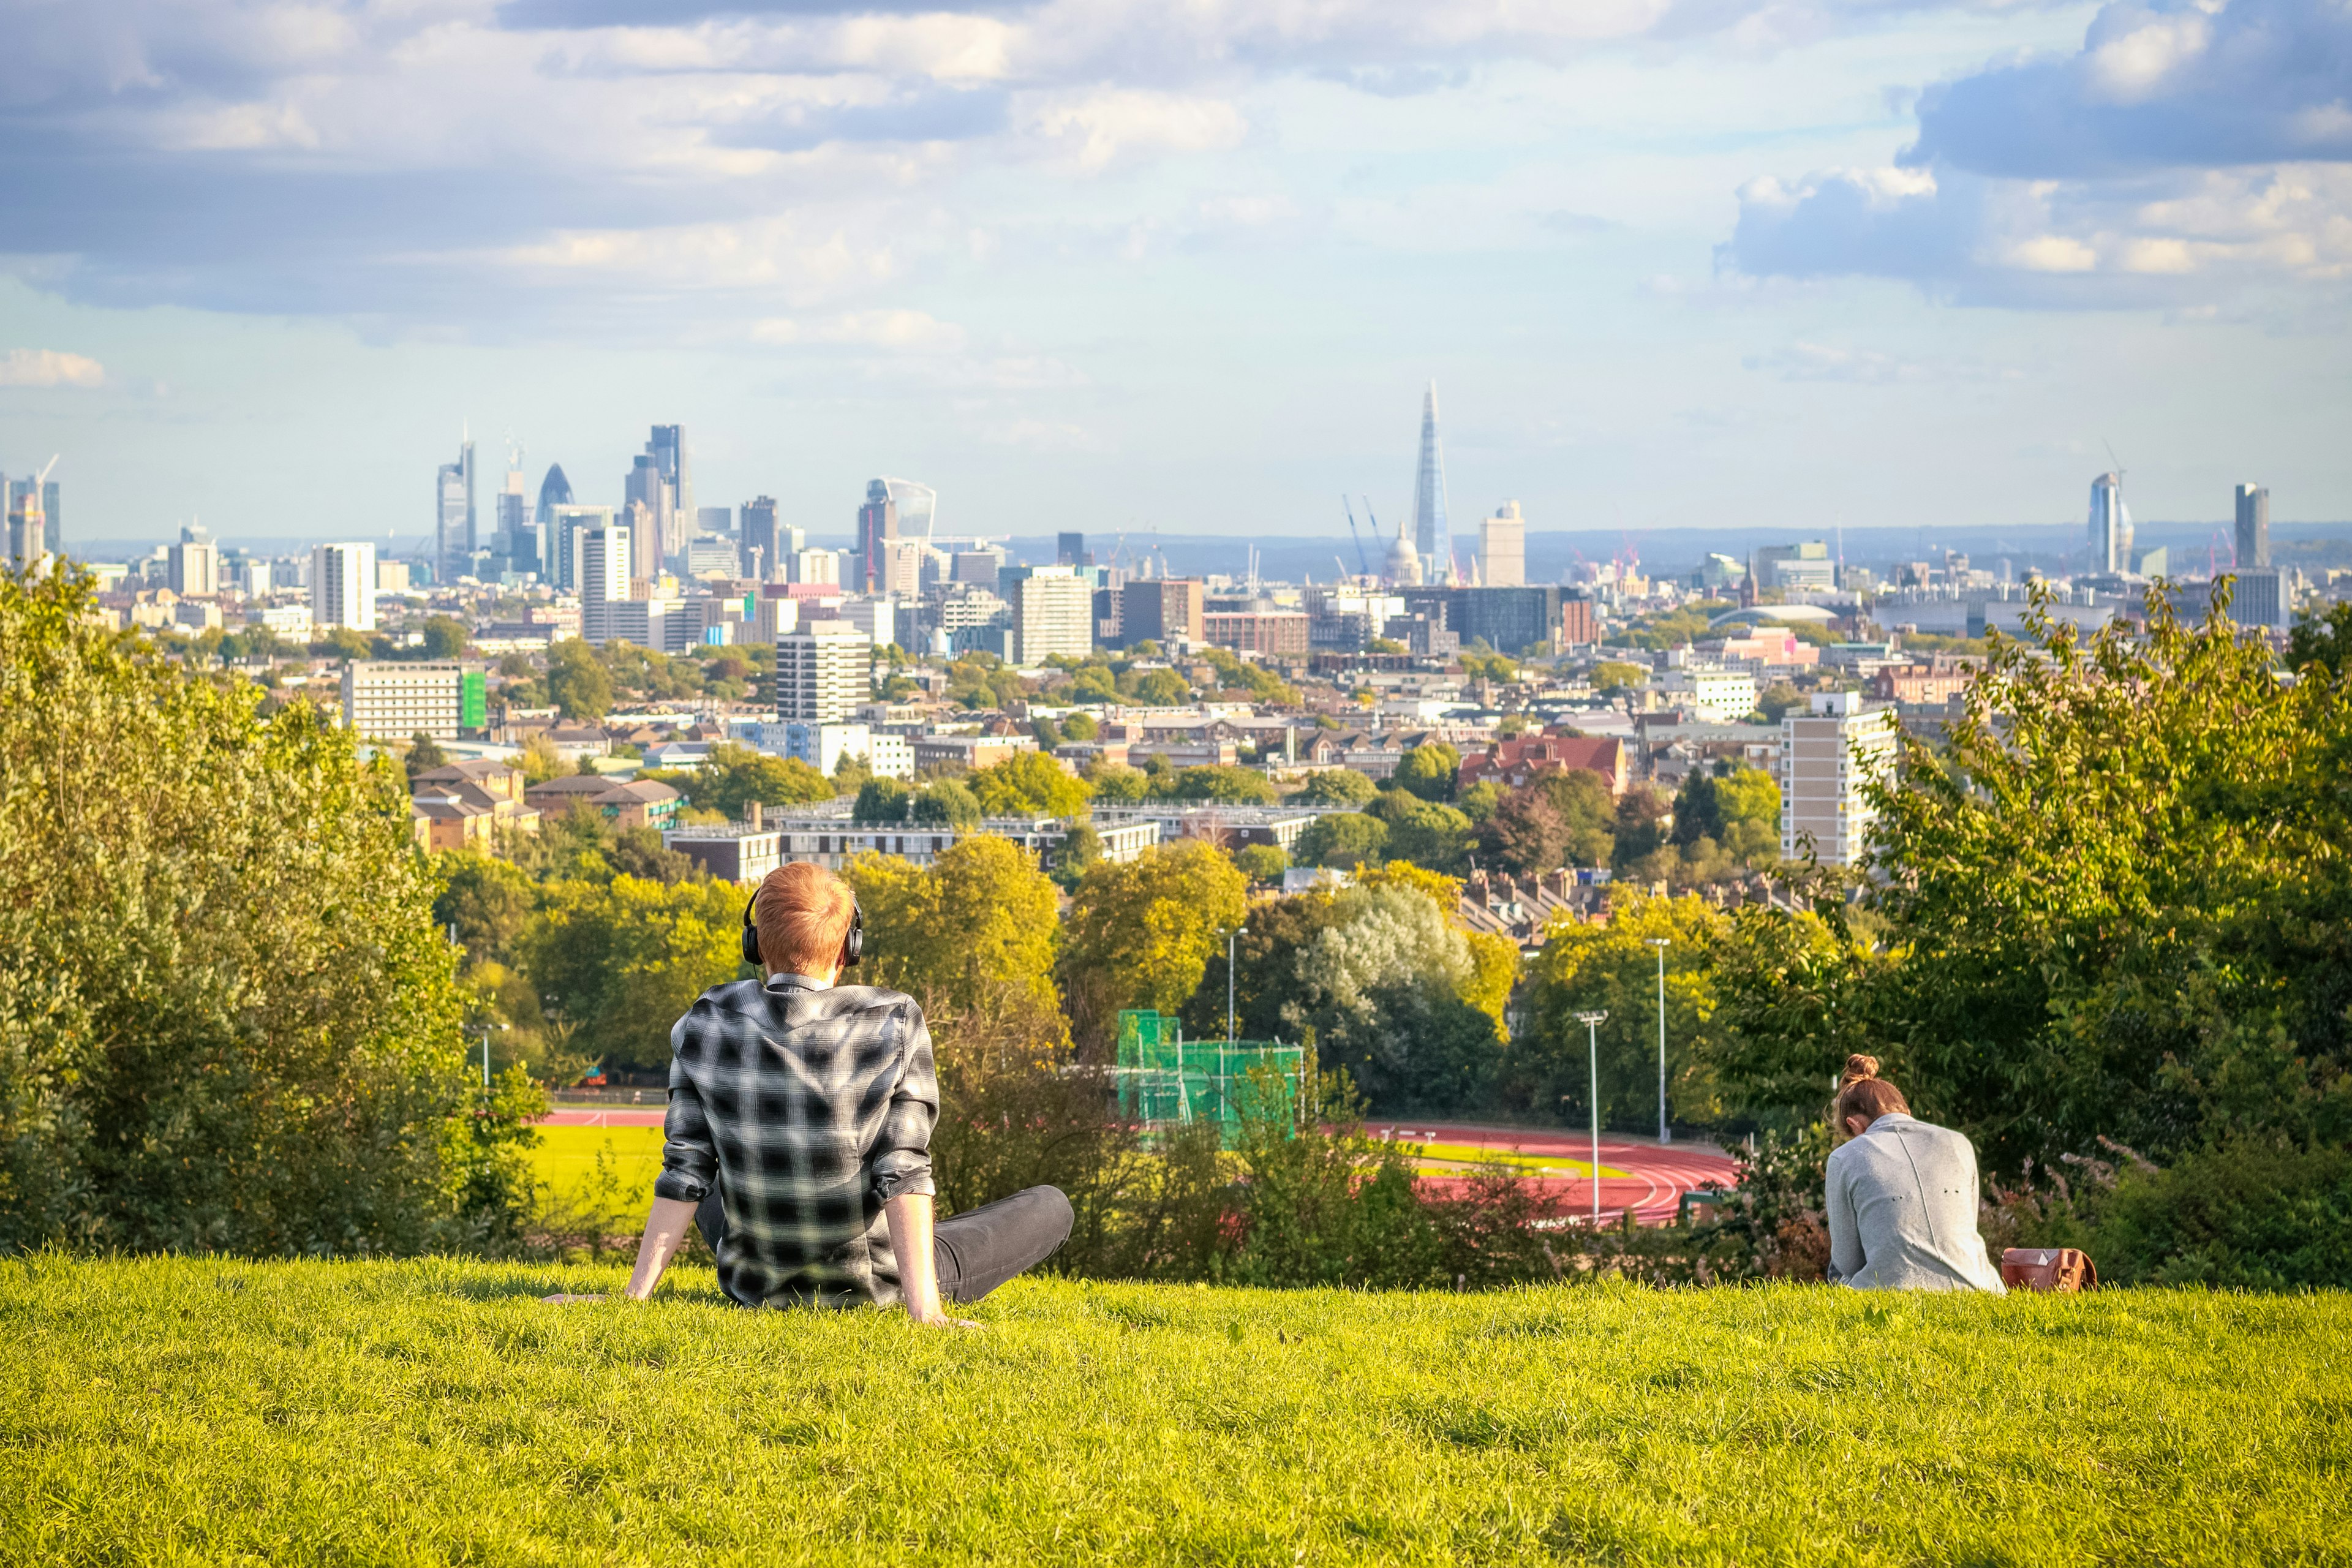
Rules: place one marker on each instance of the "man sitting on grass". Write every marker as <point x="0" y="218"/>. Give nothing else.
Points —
<point x="799" y="1134"/>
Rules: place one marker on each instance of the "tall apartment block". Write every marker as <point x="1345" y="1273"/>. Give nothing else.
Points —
<point x="1827" y="755"/>
<point x="392" y="701"/>
<point x="822" y="672"/>
<point x="192" y="567"/>
<point x="1503" y="548"/>
<point x="604" y="563"/>
<point x="1052" y="612"/>
<point x="1161" y="609"/>
<point x="342" y="586"/>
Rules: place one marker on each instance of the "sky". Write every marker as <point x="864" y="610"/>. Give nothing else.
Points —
<point x="1188" y="265"/>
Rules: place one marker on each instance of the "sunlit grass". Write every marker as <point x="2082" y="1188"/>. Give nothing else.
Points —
<point x="198" y="1411"/>
<point x="567" y="1161"/>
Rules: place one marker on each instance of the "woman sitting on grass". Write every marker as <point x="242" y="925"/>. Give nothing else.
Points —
<point x="1902" y="1194"/>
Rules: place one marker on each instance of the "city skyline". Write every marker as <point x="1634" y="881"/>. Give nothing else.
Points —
<point x="1082" y="268"/>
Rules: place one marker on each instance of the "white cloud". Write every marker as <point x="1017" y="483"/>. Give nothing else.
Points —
<point x="1093" y="130"/>
<point x="49" y="367"/>
<point x="907" y="330"/>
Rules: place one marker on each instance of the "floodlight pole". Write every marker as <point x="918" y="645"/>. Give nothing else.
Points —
<point x="1232" y="939"/>
<point x="1661" y="943"/>
<point x="1592" y="1022"/>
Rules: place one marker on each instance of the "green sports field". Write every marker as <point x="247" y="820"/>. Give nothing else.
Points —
<point x="574" y="1162"/>
<point x="198" y="1411"/>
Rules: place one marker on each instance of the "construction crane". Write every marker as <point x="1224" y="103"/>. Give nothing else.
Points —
<point x="1360" y="560"/>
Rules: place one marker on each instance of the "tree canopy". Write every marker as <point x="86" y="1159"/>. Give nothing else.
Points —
<point x="1029" y="783"/>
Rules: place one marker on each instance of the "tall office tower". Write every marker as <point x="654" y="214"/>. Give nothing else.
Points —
<point x="453" y="526"/>
<point x="2111" y="525"/>
<point x="193" y="565"/>
<point x="51" y="509"/>
<point x="554" y="490"/>
<point x="1161" y="610"/>
<point x="645" y="534"/>
<point x="1503" y="548"/>
<point x="2253" y="526"/>
<point x="814" y="567"/>
<point x="1070" y="549"/>
<point x="1052" y="612"/>
<point x="877" y="526"/>
<point x="604" y="571"/>
<point x="1430" y="535"/>
<point x="668" y="449"/>
<point x="823" y="671"/>
<point x="28" y="533"/>
<point x="755" y="542"/>
<point x="565" y="524"/>
<point x="1827" y="757"/>
<point x="342" y="586"/>
<point x="645" y="487"/>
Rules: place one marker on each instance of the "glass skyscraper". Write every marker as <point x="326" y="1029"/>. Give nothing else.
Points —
<point x="2111" y="525"/>
<point x="1430" y="537"/>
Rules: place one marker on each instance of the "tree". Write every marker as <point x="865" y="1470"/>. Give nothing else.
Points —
<point x="975" y="930"/>
<point x="1140" y="933"/>
<point x="1588" y="810"/>
<point x="1383" y="986"/>
<point x="1262" y="863"/>
<point x="1610" y="968"/>
<point x="945" y="802"/>
<point x="1228" y="786"/>
<point x="489" y="901"/>
<point x="2321" y="637"/>
<point x="445" y="638"/>
<point x="1116" y="784"/>
<point x="424" y="754"/>
<point x="881" y="801"/>
<point x="2113" y="905"/>
<point x="731" y="777"/>
<point x="1156" y="687"/>
<point x="1079" y="727"/>
<point x="1429" y="771"/>
<point x="1422" y="832"/>
<point x="1777" y="700"/>
<point x="540" y="759"/>
<point x="228" y="1019"/>
<point x="1342" y="839"/>
<point x="1526" y="835"/>
<point x="1616" y="675"/>
<point x="1265" y="974"/>
<point x="576" y="682"/>
<point x="1029" y="783"/>
<point x="1641" y="827"/>
<point x="1479" y="801"/>
<point x="622" y="960"/>
<point x="1336" y="786"/>
<point x="1082" y="848"/>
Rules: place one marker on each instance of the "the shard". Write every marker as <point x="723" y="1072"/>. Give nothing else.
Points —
<point x="1430" y="535"/>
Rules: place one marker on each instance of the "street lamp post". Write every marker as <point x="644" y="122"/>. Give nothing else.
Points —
<point x="1661" y="943"/>
<point x="1592" y="1022"/>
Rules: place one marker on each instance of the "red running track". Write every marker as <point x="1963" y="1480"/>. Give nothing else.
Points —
<point x="1656" y="1180"/>
<point x="1655" y="1177"/>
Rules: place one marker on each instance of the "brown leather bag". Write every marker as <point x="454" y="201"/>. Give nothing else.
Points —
<point x="2048" y="1268"/>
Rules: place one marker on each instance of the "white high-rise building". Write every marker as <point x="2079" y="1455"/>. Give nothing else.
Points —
<point x="605" y="569"/>
<point x="565" y="524"/>
<point x="1052" y="612"/>
<point x="193" y="565"/>
<point x="1827" y="756"/>
<point x="2111" y="525"/>
<point x="1503" y="548"/>
<point x="822" y="672"/>
<point x="878" y="617"/>
<point x="342" y="586"/>
<point x="814" y="567"/>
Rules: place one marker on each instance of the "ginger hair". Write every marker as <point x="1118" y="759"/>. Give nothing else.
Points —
<point x="802" y="911"/>
<point x="1861" y="1092"/>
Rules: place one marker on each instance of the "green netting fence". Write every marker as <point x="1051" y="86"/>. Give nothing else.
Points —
<point x="1167" y="1080"/>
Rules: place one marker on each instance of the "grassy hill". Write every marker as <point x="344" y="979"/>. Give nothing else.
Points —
<point x="200" y="1411"/>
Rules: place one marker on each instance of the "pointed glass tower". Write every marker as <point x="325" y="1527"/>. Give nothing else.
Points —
<point x="1430" y="535"/>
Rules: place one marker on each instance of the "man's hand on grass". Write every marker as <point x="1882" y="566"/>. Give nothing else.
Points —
<point x="941" y="1321"/>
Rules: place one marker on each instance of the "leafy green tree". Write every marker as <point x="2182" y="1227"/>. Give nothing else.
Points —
<point x="488" y="901"/>
<point x="1610" y="968"/>
<point x="1423" y="832"/>
<point x="975" y="930"/>
<point x="1479" y="801"/>
<point x="945" y="802"/>
<point x="1777" y="700"/>
<point x="1155" y="687"/>
<point x="1384" y="987"/>
<point x="882" y="801"/>
<point x="1616" y="675"/>
<point x="1344" y="840"/>
<point x="1525" y="835"/>
<point x="850" y="772"/>
<point x="576" y="682"/>
<point x="1429" y="771"/>
<point x="540" y="759"/>
<point x="1140" y="932"/>
<point x="1094" y="683"/>
<point x="1265" y="976"/>
<point x="2323" y="637"/>
<point x="1262" y="863"/>
<point x="228" y="1020"/>
<point x="1641" y="829"/>
<point x="1337" y="786"/>
<point x="1079" y="727"/>
<point x="733" y="776"/>
<point x="1115" y="784"/>
<point x="1029" y="783"/>
<point x="1227" y="785"/>
<point x="424" y="754"/>
<point x="445" y="638"/>
<point x="622" y="960"/>
<point x="1082" y="848"/>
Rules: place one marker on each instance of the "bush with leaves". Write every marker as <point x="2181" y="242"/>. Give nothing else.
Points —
<point x="621" y="962"/>
<point x="1336" y="786"/>
<point x="1140" y="933"/>
<point x="228" y="1019"/>
<point x="1031" y="784"/>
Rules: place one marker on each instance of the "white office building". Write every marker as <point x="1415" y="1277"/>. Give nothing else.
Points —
<point x="566" y="526"/>
<point x="393" y="700"/>
<point x="823" y="671"/>
<point x="193" y="565"/>
<point x="2111" y="525"/>
<point x="877" y="617"/>
<point x="1503" y="548"/>
<point x="1052" y="612"/>
<point x="1828" y="755"/>
<point x="821" y="747"/>
<point x="342" y="586"/>
<point x="604" y="604"/>
<point x="1716" y="696"/>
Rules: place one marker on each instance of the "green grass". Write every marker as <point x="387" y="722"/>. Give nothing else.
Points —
<point x="566" y="1160"/>
<point x="200" y="1411"/>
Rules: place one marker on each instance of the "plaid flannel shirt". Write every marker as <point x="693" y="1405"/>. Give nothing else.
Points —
<point x="809" y="1109"/>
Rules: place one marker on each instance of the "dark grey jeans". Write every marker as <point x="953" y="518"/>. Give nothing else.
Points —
<point x="975" y="1251"/>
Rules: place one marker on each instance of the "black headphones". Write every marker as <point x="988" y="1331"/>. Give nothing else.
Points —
<point x="851" y="947"/>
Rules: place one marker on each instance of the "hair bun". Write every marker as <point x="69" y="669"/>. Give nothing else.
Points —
<point x="1858" y="1067"/>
